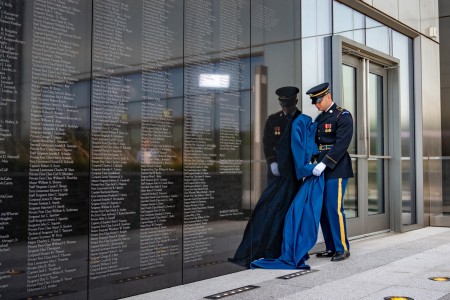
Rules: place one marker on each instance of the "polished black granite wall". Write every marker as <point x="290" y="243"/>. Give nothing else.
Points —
<point x="122" y="155"/>
<point x="125" y="130"/>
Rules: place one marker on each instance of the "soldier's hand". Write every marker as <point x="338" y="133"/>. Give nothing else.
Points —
<point x="319" y="169"/>
<point x="274" y="169"/>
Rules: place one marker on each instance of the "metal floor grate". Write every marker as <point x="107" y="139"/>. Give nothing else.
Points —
<point x="296" y="274"/>
<point x="232" y="292"/>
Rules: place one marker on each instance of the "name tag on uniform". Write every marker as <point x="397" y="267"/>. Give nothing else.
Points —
<point x="327" y="127"/>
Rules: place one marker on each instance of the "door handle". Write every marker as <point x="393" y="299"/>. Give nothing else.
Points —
<point x="358" y="156"/>
<point x="373" y="157"/>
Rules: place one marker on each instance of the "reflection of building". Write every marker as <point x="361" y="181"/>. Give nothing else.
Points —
<point x="198" y="79"/>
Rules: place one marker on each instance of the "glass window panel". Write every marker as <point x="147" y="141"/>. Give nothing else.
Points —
<point x="347" y="34"/>
<point x="375" y="189"/>
<point x="351" y="194"/>
<point x="376" y="145"/>
<point x="356" y="35"/>
<point x="375" y="115"/>
<point x="316" y="17"/>
<point x="314" y="69"/>
<point x="359" y="36"/>
<point x="349" y="100"/>
<point x="309" y="18"/>
<point x="323" y="16"/>
<point x="358" y="20"/>
<point x="377" y="36"/>
<point x="371" y="23"/>
<point x="348" y="22"/>
<point x="342" y="18"/>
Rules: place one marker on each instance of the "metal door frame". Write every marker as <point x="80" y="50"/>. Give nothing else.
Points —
<point x="392" y="106"/>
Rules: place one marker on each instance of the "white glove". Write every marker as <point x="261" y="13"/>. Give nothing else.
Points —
<point x="319" y="169"/>
<point x="274" y="168"/>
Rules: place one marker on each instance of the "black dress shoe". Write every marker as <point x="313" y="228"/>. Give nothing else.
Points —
<point x="326" y="253"/>
<point x="338" y="256"/>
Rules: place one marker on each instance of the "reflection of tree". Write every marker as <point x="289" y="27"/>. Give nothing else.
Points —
<point x="17" y="148"/>
<point x="110" y="145"/>
<point x="177" y="158"/>
<point x="159" y="133"/>
<point x="79" y="137"/>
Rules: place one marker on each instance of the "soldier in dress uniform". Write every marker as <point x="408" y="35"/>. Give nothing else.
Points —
<point x="275" y="126"/>
<point x="263" y="234"/>
<point x="333" y="137"/>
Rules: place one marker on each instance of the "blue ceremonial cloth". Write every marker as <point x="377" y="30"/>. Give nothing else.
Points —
<point x="301" y="224"/>
<point x="303" y="145"/>
<point x="264" y="231"/>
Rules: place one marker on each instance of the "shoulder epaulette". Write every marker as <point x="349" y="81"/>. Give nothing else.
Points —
<point x="342" y="110"/>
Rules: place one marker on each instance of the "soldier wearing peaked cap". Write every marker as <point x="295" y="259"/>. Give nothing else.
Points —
<point x="276" y="125"/>
<point x="264" y="231"/>
<point x="333" y="137"/>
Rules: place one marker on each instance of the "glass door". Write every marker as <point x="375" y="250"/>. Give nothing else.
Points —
<point x="364" y="91"/>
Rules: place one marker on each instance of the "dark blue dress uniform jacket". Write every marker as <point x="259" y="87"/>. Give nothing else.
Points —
<point x="334" y="131"/>
<point x="301" y="224"/>
<point x="273" y="131"/>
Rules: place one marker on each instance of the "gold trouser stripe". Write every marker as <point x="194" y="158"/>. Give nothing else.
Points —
<point x="341" y="218"/>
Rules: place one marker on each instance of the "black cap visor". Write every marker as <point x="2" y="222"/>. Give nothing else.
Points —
<point x="318" y="99"/>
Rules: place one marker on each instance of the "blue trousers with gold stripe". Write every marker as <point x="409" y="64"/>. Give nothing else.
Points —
<point x="332" y="219"/>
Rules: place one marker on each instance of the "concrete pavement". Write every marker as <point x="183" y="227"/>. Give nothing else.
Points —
<point x="389" y="264"/>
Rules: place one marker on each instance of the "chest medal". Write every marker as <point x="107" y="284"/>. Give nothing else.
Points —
<point x="277" y="130"/>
